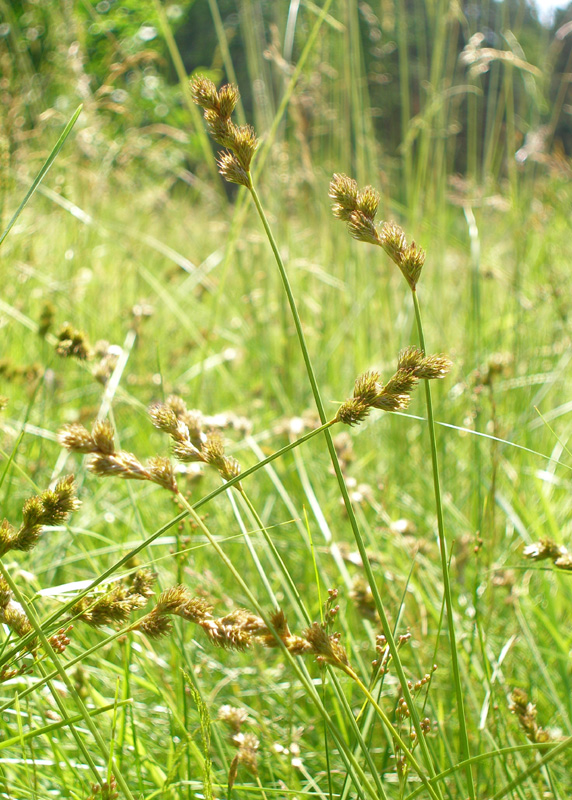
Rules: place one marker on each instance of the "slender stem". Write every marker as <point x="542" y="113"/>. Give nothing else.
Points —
<point x="332" y="672"/>
<point x="291" y="585"/>
<point x="397" y="738"/>
<point x="554" y="748"/>
<point x="349" y="757"/>
<point x="463" y="733"/>
<point x="344" y="492"/>
<point x="81" y="657"/>
<point x="34" y="622"/>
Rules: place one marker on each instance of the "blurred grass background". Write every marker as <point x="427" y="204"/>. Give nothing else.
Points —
<point x="460" y="116"/>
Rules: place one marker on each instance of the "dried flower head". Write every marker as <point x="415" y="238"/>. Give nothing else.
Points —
<point x="526" y="713"/>
<point x="409" y="258"/>
<point x="191" y="443"/>
<point x="106" y="462"/>
<point x="234" y="717"/>
<point x="72" y="343"/>
<point x="344" y="192"/>
<point x="114" y="605"/>
<point x="326" y="647"/>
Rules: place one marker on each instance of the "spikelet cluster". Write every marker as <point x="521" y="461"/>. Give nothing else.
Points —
<point x="247" y="744"/>
<point x="369" y="392"/>
<point x="358" y="209"/>
<point x="13" y="616"/>
<point x="114" y="605"/>
<point x="240" y="629"/>
<point x="51" y="507"/>
<point x="547" y="549"/>
<point x="107" y="462"/>
<point x="72" y="343"/>
<point x="239" y="140"/>
<point x="526" y="713"/>
<point x="191" y="443"/>
<point x="106" y="791"/>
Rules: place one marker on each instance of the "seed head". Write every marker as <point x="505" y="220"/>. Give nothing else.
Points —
<point x="72" y="343"/>
<point x="344" y="193"/>
<point x="362" y="228"/>
<point x="204" y="94"/>
<point x="232" y="170"/>
<point x="161" y="471"/>
<point x="77" y="439"/>
<point x="543" y="549"/>
<point x="327" y="648"/>
<point x="119" y="465"/>
<point x="240" y="141"/>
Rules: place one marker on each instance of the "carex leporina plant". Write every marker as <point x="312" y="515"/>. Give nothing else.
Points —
<point x="193" y="440"/>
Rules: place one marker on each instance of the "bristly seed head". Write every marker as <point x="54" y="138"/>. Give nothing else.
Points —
<point x="358" y="209"/>
<point x="240" y="141"/>
<point x="344" y="193"/>
<point x="51" y="507"/>
<point x="413" y="366"/>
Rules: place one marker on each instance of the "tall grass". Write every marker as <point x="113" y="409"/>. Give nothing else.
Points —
<point x="191" y="299"/>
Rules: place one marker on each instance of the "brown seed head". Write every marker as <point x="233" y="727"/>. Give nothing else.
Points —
<point x="412" y="261"/>
<point x="326" y="647"/>
<point x="228" y="97"/>
<point x="222" y="129"/>
<point x="164" y="418"/>
<point x="103" y="435"/>
<point x="392" y="239"/>
<point x="362" y="228"/>
<point x="245" y="145"/>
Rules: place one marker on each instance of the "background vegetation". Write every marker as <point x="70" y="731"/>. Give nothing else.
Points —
<point x="460" y="117"/>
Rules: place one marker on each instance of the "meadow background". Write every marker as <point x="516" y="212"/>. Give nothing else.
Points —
<point x="459" y="115"/>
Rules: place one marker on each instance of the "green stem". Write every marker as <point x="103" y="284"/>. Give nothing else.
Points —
<point x="344" y="492"/>
<point x="34" y="622"/>
<point x="56" y="726"/>
<point x="349" y="757"/>
<point x="463" y="733"/>
<point x="555" y="748"/>
<point x="342" y="699"/>
<point x="397" y="738"/>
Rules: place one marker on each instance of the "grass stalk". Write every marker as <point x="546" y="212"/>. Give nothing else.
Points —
<point x="43" y="171"/>
<point x="463" y="733"/>
<point x="348" y="755"/>
<point x="397" y="738"/>
<point x="343" y="488"/>
<point x="34" y="622"/>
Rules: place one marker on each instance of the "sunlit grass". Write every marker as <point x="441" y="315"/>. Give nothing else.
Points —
<point x="186" y="292"/>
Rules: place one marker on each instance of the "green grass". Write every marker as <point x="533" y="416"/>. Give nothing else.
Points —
<point x="222" y="336"/>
